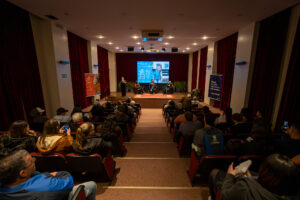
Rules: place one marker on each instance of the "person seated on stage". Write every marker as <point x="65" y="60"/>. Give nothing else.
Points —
<point x="53" y="138"/>
<point x="137" y="88"/>
<point x="169" y="88"/>
<point x="19" y="137"/>
<point x="152" y="86"/>
<point x="87" y="142"/>
<point x="19" y="180"/>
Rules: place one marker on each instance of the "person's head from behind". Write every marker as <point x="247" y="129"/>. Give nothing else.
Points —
<point x="83" y="132"/>
<point x="121" y="108"/>
<point x="279" y="174"/>
<point x="188" y="116"/>
<point x="209" y="119"/>
<point x="237" y="118"/>
<point x="205" y="109"/>
<point x="16" y="167"/>
<point x="18" y="129"/>
<point x="61" y="111"/>
<point x="179" y="106"/>
<point x="51" y="126"/>
<point x="259" y="114"/>
<point x="246" y="114"/>
<point x="77" y="117"/>
<point x="294" y="130"/>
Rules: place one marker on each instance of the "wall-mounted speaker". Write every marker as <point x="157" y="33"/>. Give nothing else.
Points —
<point x="174" y="49"/>
<point x="130" y="48"/>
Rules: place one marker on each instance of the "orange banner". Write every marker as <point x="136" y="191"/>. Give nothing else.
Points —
<point x="90" y="85"/>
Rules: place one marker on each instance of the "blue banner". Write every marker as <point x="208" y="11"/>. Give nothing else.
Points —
<point x="215" y="87"/>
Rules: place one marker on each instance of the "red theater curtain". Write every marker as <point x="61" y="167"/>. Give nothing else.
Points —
<point x="195" y="70"/>
<point x="103" y="71"/>
<point x="127" y="65"/>
<point x="270" y="47"/>
<point x="79" y="65"/>
<point x="20" y="84"/>
<point x="225" y="66"/>
<point x="290" y="102"/>
<point x="202" y="71"/>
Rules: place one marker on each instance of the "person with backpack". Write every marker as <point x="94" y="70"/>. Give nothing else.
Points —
<point x="208" y="140"/>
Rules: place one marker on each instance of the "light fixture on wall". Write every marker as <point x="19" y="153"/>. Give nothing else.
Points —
<point x="64" y="62"/>
<point x="96" y="65"/>
<point x="241" y="63"/>
<point x="208" y="66"/>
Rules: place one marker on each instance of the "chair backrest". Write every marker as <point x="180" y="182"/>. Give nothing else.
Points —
<point x="90" y="166"/>
<point x="209" y="162"/>
<point x="49" y="162"/>
<point x="214" y="144"/>
<point x="79" y="193"/>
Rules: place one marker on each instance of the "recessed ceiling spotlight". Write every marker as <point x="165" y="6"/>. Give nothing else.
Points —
<point x="183" y="50"/>
<point x="135" y="37"/>
<point x="117" y="47"/>
<point x="170" y="37"/>
<point x="138" y="43"/>
<point x="121" y="50"/>
<point x="204" y="38"/>
<point x="188" y="48"/>
<point x="166" y="43"/>
<point x="100" y="36"/>
<point x="110" y="43"/>
<point x="195" y="43"/>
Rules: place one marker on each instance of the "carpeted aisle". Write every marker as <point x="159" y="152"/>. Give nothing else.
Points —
<point x="152" y="168"/>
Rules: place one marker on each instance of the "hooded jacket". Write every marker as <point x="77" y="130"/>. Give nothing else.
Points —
<point x="92" y="145"/>
<point x="246" y="188"/>
<point x="55" y="144"/>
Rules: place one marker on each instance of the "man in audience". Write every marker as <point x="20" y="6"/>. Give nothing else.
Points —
<point x="181" y="119"/>
<point x="61" y="115"/>
<point x="240" y="127"/>
<point x="189" y="127"/>
<point x="209" y="129"/>
<point x="19" y="180"/>
<point x="97" y="111"/>
<point x="290" y="142"/>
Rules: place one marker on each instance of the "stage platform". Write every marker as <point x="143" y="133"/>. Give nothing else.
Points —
<point x="149" y="100"/>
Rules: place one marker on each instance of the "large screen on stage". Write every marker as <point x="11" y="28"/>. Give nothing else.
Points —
<point x="156" y="70"/>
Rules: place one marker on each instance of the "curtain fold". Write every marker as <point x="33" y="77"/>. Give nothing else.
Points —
<point x="79" y="65"/>
<point x="269" y="53"/>
<point x="290" y="102"/>
<point x="21" y="88"/>
<point x="225" y="66"/>
<point x="127" y="65"/>
<point x="202" y="71"/>
<point x="194" y="70"/>
<point x="103" y="71"/>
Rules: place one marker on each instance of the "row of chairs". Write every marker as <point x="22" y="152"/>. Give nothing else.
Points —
<point x="82" y="167"/>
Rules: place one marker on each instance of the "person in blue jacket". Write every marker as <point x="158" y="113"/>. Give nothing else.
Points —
<point x="20" y="181"/>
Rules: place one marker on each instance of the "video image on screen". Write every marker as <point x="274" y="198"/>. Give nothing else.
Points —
<point x="156" y="70"/>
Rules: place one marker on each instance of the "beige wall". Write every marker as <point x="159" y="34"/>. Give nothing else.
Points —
<point x="198" y="69"/>
<point x="190" y="71"/>
<point x="240" y="77"/>
<point x="41" y="29"/>
<point x="209" y="71"/>
<point x="61" y="52"/>
<point x="112" y="71"/>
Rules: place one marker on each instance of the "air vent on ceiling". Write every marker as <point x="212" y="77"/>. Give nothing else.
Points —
<point x="152" y="36"/>
<point x="51" y="17"/>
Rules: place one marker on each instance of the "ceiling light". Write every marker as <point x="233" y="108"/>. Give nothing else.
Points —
<point x="188" y="48"/>
<point x="100" y="36"/>
<point x="135" y="37"/>
<point x="195" y="43"/>
<point x="138" y="43"/>
<point x="204" y="37"/>
<point x="170" y="37"/>
<point x="183" y="50"/>
<point x="121" y="50"/>
<point x="117" y="47"/>
<point x="110" y="43"/>
<point x="166" y="43"/>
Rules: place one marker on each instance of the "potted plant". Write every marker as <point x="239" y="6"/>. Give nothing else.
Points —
<point x="130" y="86"/>
<point x="177" y="86"/>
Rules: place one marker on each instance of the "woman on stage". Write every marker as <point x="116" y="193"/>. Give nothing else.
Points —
<point x="123" y="87"/>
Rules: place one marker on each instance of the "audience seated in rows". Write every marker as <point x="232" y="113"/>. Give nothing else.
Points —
<point x="19" y="137"/>
<point x="189" y="127"/>
<point x="87" y="142"/>
<point x="240" y="126"/>
<point x="209" y="130"/>
<point x="97" y="112"/>
<point x="19" y="180"/>
<point x="181" y="119"/>
<point x="278" y="178"/>
<point x="61" y="115"/>
<point x="53" y="138"/>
